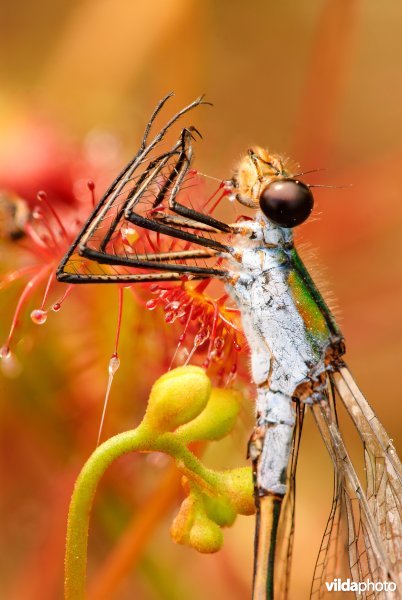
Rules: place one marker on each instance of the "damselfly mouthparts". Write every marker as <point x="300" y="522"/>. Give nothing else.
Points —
<point x="295" y="345"/>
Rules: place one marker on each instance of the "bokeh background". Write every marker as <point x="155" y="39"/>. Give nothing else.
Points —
<point x="318" y="80"/>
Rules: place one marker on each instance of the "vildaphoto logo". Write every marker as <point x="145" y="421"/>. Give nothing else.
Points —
<point x="347" y="585"/>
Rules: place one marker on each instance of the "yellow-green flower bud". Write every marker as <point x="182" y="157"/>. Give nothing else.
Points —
<point x="177" y="397"/>
<point x="219" y="510"/>
<point x="216" y="420"/>
<point x="183" y="522"/>
<point x="237" y="486"/>
<point x="205" y="535"/>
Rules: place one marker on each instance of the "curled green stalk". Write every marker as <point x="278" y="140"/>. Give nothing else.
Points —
<point x="182" y="408"/>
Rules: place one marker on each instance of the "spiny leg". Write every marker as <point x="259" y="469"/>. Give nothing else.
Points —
<point x="124" y="177"/>
<point x="110" y="259"/>
<point x="179" y="255"/>
<point x="184" y="163"/>
<point x="126" y="279"/>
<point x="178" y="221"/>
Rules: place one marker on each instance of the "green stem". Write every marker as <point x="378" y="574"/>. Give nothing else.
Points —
<point x="140" y="439"/>
<point x="81" y="504"/>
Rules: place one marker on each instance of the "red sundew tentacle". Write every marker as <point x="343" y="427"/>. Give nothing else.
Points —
<point x="182" y="336"/>
<point x="232" y="374"/>
<point x="40" y="216"/>
<point x="219" y="200"/>
<point x="28" y="289"/>
<point x="119" y="318"/>
<point x="9" y="278"/>
<point x="37" y="240"/>
<point x="42" y="197"/>
<point x="91" y="187"/>
<point x="243" y="218"/>
<point x="229" y="323"/>
<point x="173" y="245"/>
<point x="152" y="245"/>
<point x="213" y="330"/>
<point x="202" y="286"/>
<point x="47" y="288"/>
<point x="221" y="185"/>
<point x="57" y="305"/>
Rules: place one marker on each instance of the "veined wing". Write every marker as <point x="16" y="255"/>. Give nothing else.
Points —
<point x="383" y="468"/>
<point x="140" y="230"/>
<point x="365" y="522"/>
<point x="284" y="550"/>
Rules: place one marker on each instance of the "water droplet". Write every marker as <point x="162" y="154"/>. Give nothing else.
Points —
<point x="114" y="364"/>
<point x="37" y="213"/>
<point x="56" y="306"/>
<point x="236" y="346"/>
<point x="39" y="316"/>
<point x="170" y="317"/>
<point x="5" y="352"/>
<point x="219" y="343"/>
<point x="200" y="338"/>
<point x="151" y="304"/>
<point x="41" y="195"/>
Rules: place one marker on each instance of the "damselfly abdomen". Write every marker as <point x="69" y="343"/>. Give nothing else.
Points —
<point x="295" y="345"/>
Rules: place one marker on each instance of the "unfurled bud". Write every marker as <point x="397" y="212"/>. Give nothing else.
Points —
<point x="176" y="398"/>
<point x="216" y="420"/>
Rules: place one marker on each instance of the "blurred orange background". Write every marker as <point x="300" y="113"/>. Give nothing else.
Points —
<point x="319" y="81"/>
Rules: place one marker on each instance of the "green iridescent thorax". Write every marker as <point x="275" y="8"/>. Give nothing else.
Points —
<point x="317" y="317"/>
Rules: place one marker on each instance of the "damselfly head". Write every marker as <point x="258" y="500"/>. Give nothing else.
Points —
<point x="286" y="202"/>
<point x="262" y="181"/>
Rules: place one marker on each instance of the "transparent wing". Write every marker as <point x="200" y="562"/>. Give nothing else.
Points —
<point x="283" y="557"/>
<point x="382" y="466"/>
<point x="362" y="540"/>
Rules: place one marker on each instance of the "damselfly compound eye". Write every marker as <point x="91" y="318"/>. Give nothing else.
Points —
<point x="286" y="202"/>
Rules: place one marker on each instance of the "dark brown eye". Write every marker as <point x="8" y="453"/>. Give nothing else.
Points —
<point x="286" y="202"/>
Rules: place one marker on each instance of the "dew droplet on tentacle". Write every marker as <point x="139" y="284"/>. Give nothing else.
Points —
<point x="57" y="305"/>
<point x="151" y="304"/>
<point x="219" y="342"/>
<point x="9" y="365"/>
<point x="39" y="316"/>
<point x="5" y="352"/>
<point x="91" y="187"/>
<point x="114" y="364"/>
<point x="170" y="317"/>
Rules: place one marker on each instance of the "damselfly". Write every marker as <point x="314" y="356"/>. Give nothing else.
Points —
<point x="295" y="345"/>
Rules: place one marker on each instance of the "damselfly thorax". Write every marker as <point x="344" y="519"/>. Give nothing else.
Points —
<point x="295" y="344"/>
